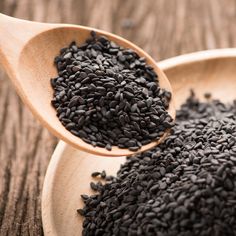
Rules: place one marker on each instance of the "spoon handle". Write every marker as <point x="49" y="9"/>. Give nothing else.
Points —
<point x="15" y="33"/>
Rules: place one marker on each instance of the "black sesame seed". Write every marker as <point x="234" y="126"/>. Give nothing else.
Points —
<point x="95" y="174"/>
<point x="80" y="211"/>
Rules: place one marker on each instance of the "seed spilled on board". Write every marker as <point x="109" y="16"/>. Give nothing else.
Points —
<point x="108" y="96"/>
<point x="185" y="186"/>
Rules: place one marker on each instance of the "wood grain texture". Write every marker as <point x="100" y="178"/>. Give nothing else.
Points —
<point x="162" y="28"/>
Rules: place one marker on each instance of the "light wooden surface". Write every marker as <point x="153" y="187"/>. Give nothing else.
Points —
<point x="162" y="28"/>
<point x="27" y="52"/>
<point x="69" y="172"/>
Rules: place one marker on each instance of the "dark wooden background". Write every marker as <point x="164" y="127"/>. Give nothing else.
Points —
<point x="164" y="28"/>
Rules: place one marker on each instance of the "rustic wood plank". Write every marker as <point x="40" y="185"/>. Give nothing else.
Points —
<point x="163" y="28"/>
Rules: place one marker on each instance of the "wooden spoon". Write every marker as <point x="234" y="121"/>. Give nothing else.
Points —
<point x="27" y="51"/>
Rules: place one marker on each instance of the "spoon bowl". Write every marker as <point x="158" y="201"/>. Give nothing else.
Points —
<point x="27" y="52"/>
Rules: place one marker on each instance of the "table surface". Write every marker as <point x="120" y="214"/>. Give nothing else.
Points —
<point x="162" y="28"/>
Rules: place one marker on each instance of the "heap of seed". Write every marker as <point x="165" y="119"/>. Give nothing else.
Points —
<point x="108" y="95"/>
<point x="185" y="186"/>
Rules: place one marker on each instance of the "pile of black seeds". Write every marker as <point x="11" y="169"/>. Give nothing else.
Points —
<point x="185" y="186"/>
<point x="108" y="95"/>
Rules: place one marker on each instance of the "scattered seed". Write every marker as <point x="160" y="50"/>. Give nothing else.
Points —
<point x="95" y="174"/>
